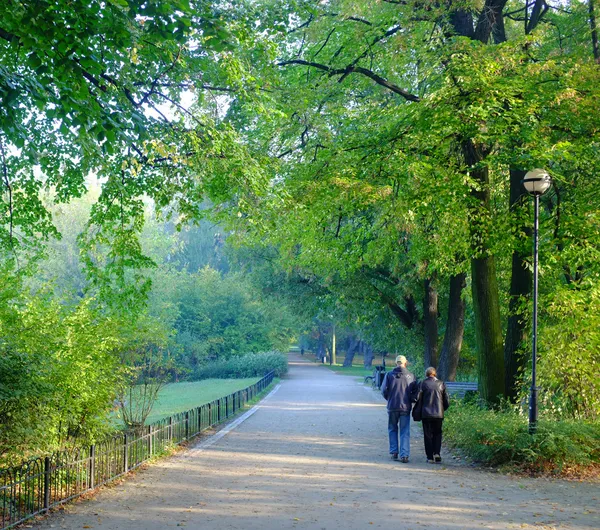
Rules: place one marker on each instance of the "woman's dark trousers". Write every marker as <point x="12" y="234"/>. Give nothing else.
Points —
<point x="432" y="434"/>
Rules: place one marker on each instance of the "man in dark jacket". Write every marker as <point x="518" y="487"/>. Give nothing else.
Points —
<point x="398" y="388"/>
<point x="435" y="402"/>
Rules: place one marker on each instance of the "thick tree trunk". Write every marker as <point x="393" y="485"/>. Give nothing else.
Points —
<point x="353" y="343"/>
<point x="484" y="284"/>
<point x="488" y="328"/>
<point x="367" y="355"/>
<point x="594" y="31"/>
<point x="520" y="286"/>
<point x="455" y="326"/>
<point x="430" y="320"/>
<point x="321" y="349"/>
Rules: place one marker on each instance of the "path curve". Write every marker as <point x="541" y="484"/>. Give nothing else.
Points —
<point x="314" y="456"/>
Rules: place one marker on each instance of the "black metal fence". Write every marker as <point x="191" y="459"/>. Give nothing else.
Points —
<point x="36" y="486"/>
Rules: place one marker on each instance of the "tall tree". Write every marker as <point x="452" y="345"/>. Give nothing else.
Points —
<point x="399" y="151"/>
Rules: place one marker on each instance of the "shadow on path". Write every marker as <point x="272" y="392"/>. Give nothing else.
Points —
<point x="315" y="456"/>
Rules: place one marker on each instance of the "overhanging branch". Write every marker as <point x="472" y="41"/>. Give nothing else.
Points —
<point x="358" y="70"/>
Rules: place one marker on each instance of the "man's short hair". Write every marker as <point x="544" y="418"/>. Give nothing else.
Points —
<point x="431" y="371"/>
<point x="401" y="360"/>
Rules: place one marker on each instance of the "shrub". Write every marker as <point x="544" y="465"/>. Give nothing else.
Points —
<point x="571" y="354"/>
<point x="249" y="365"/>
<point x="501" y="438"/>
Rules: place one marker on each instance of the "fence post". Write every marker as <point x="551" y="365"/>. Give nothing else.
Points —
<point x="219" y="410"/>
<point x="92" y="467"/>
<point x="187" y="425"/>
<point x="226" y="407"/>
<point x="46" y="483"/>
<point x="170" y="428"/>
<point x="125" y="453"/>
<point x="150" y="445"/>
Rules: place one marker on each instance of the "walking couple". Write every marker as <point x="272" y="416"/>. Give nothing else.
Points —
<point x="430" y="399"/>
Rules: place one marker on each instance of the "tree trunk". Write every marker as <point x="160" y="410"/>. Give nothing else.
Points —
<point x="594" y="31"/>
<point x="484" y="284"/>
<point x="321" y="347"/>
<point x="430" y="320"/>
<point x="353" y="344"/>
<point x="455" y="326"/>
<point x="368" y="356"/>
<point x="520" y="286"/>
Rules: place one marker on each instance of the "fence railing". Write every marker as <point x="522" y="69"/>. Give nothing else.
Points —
<point x="35" y="486"/>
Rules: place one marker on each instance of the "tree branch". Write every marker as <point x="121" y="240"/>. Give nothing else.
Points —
<point x="355" y="69"/>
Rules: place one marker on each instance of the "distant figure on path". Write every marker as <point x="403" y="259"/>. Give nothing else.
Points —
<point x="435" y="401"/>
<point x="398" y="388"/>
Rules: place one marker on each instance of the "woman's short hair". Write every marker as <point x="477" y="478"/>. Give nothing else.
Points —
<point x="431" y="371"/>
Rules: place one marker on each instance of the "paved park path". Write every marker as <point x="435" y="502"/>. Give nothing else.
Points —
<point x="314" y="456"/>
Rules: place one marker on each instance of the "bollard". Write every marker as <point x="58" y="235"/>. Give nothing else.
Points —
<point x="92" y="481"/>
<point x="125" y="454"/>
<point x="46" y="484"/>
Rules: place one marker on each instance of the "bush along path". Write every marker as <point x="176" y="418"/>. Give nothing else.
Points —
<point x="314" y="456"/>
<point x="37" y="485"/>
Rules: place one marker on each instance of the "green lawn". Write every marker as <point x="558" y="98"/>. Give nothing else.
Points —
<point x="356" y="371"/>
<point x="179" y="397"/>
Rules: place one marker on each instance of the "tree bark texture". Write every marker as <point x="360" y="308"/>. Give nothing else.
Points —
<point x="520" y="286"/>
<point x="353" y="343"/>
<point x="488" y="328"/>
<point x="430" y="320"/>
<point x="368" y="355"/>
<point x="594" y="31"/>
<point x="455" y="326"/>
<point x="491" y="22"/>
<point x="484" y="285"/>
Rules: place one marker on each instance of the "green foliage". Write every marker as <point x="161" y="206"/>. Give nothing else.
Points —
<point x="109" y="88"/>
<point x="217" y="316"/>
<point x="392" y="138"/>
<point x="249" y="365"/>
<point x="570" y="355"/>
<point x="58" y="373"/>
<point x="501" y="438"/>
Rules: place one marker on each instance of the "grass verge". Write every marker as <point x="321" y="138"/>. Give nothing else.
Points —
<point x="178" y="397"/>
<point x="356" y="371"/>
<point x="501" y="439"/>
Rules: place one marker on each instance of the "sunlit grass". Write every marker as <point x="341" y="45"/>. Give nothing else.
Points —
<point x="356" y="371"/>
<point x="179" y="397"/>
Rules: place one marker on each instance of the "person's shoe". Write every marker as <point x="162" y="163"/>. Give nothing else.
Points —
<point x="404" y="459"/>
<point x="430" y="461"/>
<point x="394" y="456"/>
<point x="437" y="459"/>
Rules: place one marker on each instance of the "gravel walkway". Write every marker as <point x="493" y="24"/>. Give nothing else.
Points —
<point x="314" y="456"/>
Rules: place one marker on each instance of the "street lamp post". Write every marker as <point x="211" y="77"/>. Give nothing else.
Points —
<point x="536" y="182"/>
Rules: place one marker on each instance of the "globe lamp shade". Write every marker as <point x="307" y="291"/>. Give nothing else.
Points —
<point x="537" y="181"/>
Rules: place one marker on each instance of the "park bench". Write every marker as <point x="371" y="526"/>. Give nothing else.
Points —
<point x="460" y="389"/>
